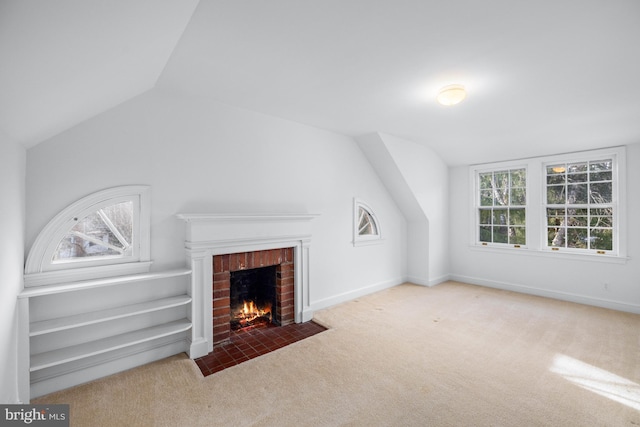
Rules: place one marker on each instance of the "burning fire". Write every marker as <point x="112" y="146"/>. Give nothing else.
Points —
<point x="249" y="312"/>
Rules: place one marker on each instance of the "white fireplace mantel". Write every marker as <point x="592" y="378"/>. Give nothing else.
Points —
<point x="217" y="234"/>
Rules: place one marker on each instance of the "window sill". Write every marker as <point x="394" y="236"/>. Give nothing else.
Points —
<point x="367" y="242"/>
<point x="611" y="259"/>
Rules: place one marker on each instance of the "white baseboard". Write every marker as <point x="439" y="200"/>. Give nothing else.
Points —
<point x="427" y="282"/>
<point x="198" y="348"/>
<point x="348" y="296"/>
<point x="564" y="296"/>
<point x="439" y="280"/>
<point x="417" y="280"/>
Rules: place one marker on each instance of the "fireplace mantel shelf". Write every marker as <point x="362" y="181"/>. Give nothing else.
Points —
<point x="189" y="217"/>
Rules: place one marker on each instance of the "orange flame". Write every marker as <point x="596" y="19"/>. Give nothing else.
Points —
<point x="250" y="311"/>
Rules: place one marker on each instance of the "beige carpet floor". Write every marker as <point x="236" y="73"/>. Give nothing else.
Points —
<point x="451" y="355"/>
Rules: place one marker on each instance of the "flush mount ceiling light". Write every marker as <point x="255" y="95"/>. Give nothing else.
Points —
<point x="451" y="95"/>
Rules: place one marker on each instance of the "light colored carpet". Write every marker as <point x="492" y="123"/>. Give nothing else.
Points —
<point x="451" y="355"/>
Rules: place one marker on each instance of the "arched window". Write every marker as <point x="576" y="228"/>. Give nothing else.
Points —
<point x="366" y="228"/>
<point x="106" y="233"/>
<point x="107" y="228"/>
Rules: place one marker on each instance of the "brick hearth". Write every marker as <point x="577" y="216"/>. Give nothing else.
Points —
<point x="223" y="265"/>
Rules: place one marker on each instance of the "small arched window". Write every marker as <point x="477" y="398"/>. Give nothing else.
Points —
<point x="107" y="228"/>
<point x="366" y="228"/>
<point x="104" y="234"/>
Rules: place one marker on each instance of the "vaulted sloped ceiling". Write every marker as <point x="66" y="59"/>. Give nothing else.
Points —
<point x="65" y="61"/>
<point x="542" y="77"/>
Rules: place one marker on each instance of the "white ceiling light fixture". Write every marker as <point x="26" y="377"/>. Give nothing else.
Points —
<point x="451" y="95"/>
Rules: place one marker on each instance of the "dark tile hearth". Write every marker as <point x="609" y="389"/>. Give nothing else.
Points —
<point x="248" y="344"/>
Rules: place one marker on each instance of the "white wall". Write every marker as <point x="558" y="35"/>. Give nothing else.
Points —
<point x="12" y="192"/>
<point x="426" y="175"/>
<point x="417" y="178"/>
<point x="569" y="279"/>
<point x="203" y="157"/>
<point x="375" y="148"/>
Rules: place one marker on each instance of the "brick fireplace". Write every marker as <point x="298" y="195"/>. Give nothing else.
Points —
<point x="218" y="244"/>
<point x="223" y="265"/>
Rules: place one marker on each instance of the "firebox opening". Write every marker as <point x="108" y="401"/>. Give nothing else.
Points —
<point x="253" y="298"/>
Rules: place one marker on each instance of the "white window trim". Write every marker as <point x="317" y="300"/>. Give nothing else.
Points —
<point x="359" y="240"/>
<point x="617" y="199"/>
<point x="40" y="268"/>
<point x="536" y="214"/>
<point x="476" y="202"/>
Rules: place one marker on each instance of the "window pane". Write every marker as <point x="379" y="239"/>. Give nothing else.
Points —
<point x="602" y="239"/>
<point x="601" y="192"/>
<point x="106" y="232"/>
<point x="556" y="170"/>
<point x="600" y="176"/>
<point x="121" y="216"/>
<point x="555" y="236"/>
<point x="555" y="216"/>
<point x="519" y="178"/>
<point x="485" y="216"/>
<point x="486" y="198"/>
<point x="577" y="177"/>
<point x="555" y="195"/>
<point x="485" y="234"/>
<point x="72" y="246"/>
<point x="577" y="167"/>
<point x="501" y="197"/>
<point x="366" y="224"/>
<point x="601" y="217"/>
<point x="501" y="179"/>
<point x="577" y="194"/>
<point x="500" y="234"/>
<point x="516" y="216"/>
<point x="577" y="238"/>
<point x="578" y="219"/>
<point x="485" y="180"/>
<point x="556" y="179"/>
<point x="518" y="197"/>
<point x="499" y="217"/>
<point x="518" y="235"/>
<point x="601" y="165"/>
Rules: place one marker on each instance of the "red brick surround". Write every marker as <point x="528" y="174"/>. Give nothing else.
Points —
<point x="223" y="265"/>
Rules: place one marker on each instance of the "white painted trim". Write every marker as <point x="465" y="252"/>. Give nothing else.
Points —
<point x="88" y="273"/>
<point x="40" y="256"/>
<point x="357" y="239"/>
<point x="563" y="296"/>
<point x="218" y="234"/>
<point x="229" y="246"/>
<point x="438" y="280"/>
<point x="99" y="282"/>
<point x="536" y="216"/>
<point x="585" y="257"/>
<point x="417" y="280"/>
<point x="246" y="217"/>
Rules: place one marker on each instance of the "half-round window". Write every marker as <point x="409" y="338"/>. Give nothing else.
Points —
<point x="105" y="233"/>
<point x="366" y="228"/>
<point x="110" y="227"/>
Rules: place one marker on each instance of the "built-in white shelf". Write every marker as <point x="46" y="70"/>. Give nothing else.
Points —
<point x="84" y="319"/>
<point x="92" y="348"/>
<point x="80" y="355"/>
<point x="96" y="283"/>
